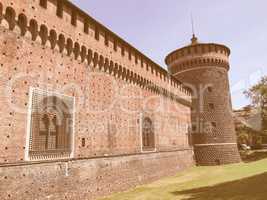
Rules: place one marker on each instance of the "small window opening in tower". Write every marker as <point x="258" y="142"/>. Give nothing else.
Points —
<point x="211" y="106"/>
<point x="210" y="89"/>
<point x="214" y="124"/>
<point x="83" y="142"/>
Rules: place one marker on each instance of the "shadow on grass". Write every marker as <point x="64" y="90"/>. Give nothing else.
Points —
<point x="255" y="156"/>
<point x="252" y="188"/>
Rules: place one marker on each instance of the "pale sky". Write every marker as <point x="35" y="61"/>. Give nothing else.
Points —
<point x="156" y="27"/>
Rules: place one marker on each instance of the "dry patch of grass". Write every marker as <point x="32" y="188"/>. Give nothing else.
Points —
<point x="244" y="181"/>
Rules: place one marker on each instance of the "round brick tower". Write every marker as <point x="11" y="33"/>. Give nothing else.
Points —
<point x="203" y="67"/>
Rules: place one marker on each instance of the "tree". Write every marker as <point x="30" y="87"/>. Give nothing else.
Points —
<point x="258" y="96"/>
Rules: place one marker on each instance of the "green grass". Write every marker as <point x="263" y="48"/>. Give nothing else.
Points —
<point x="244" y="181"/>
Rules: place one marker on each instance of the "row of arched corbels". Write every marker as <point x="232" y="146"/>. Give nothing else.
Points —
<point x="63" y="6"/>
<point x="198" y="49"/>
<point x="80" y="52"/>
<point x="199" y="62"/>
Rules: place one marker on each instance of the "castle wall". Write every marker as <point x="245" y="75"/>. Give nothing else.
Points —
<point x="112" y="93"/>
<point x="102" y="101"/>
<point x="88" y="179"/>
<point x="97" y="38"/>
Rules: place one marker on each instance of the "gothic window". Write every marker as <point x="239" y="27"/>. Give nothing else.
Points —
<point x="148" y="135"/>
<point x="50" y="127"/>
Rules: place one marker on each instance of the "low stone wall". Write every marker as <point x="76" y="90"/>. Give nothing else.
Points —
<point x="88" y="178"/>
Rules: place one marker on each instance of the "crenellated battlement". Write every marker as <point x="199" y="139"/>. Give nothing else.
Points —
<point x="198" y="55"/>
<point x="75" y="33"/>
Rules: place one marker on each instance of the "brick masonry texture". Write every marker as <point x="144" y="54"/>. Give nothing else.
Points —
<point x="114" y="86"/>
<point x="219" y="154"/>
<point x="26" y="63"/>
<point x="204" y="67"/>
<point x="88" y="179"/>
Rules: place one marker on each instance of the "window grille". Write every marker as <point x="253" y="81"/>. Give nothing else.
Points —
<point x="50" y="126"/>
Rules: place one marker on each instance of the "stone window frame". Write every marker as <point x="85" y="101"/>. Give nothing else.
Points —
<point x="142" y="117"/>
<point x="51" y="93"/>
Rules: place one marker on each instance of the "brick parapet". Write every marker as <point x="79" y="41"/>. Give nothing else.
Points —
<point x="95" y="45"/>
<point x="199" y="55"/>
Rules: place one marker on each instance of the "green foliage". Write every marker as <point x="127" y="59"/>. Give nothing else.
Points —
<point x="258" y="96"/>
<point x="248" y="136"/>
<point x="258" y="143"/>
<point x="258" y="93"/>
<point x="243" y="137"/>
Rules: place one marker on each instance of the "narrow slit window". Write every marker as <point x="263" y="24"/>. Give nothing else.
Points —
<point x="74" y="18"/>
<point x="43" y="3"/>
<point x="83" y="142"/>
<point x="60" y="8"/>
<point x="211" y="106"/>
<point x="115" y="46"/>
<point x="86" y="27"/>
<point x="96" y="33"/>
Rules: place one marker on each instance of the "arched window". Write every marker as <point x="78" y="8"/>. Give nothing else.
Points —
<point x="51" y="127"/>
<point x="148" y="136"/>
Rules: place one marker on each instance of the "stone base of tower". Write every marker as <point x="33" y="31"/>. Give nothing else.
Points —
<point x="216" y="154"/>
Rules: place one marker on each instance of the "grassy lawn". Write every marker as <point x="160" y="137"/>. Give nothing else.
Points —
<point x="245" y="181"/>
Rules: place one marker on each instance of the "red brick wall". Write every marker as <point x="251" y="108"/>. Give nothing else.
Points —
<point x="88" y="179"/>
<point x="104" y="101"/>
<point x="111" y="93"/>
<point x="204" y="67"/>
